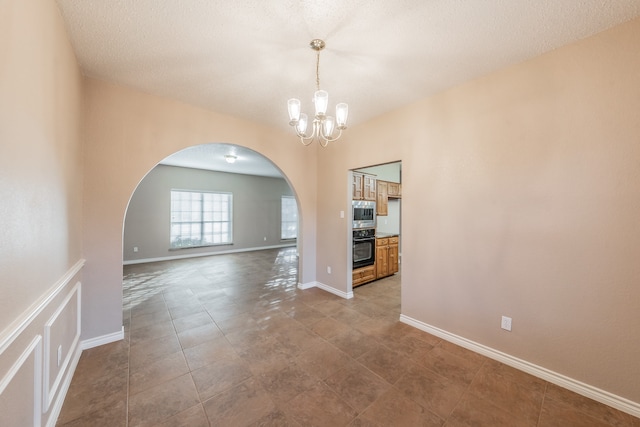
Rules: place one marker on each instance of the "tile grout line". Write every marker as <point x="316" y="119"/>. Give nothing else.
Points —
<point x="544" y="397"/>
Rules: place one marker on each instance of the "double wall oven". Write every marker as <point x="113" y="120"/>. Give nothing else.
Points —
<point x="364" y="233"/>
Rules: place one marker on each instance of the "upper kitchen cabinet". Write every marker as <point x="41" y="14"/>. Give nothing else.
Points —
<point x="363" y="187"/>
<point x="386" y="190"/>
<point x="382" y="201"/>
<point x="394" y="190"/>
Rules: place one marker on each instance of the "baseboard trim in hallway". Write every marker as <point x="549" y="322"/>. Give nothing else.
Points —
<point x="102" y="340"/>
<point x="576" y="386"/>
<point x="341" y="294"/>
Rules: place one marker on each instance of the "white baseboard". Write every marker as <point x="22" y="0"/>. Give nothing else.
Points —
<point x="602" y="396"/>
<point x="309" y="285"/>
<point x="102" y="340"/>
<point x="202" y="254"/>
<point x="341" y="294"/>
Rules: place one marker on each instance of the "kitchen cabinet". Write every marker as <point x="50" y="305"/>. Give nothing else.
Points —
<point x="363" y="187"/>
<point x="394" y="266"/>
<point x="394" y="190"/>
<point x="363" y="275"/>
<point x="386" y="190"/>
<point x="386" y="256"/>
<point x="356" y="186"/>
<point x="382" y="199"/>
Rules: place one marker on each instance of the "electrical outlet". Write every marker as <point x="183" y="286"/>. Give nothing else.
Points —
<point x="265" y="238"/>
<point x="135" y="249"/>
<point x="506" y="323"/>
<point x="329" y="270"/>
<point x="341" y="214"/>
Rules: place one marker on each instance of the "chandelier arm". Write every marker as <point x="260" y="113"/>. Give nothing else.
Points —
<point x="308" y="141"/>
<point x="303" y="137"/>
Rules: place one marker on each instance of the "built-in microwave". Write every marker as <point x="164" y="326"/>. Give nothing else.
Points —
<point x="364" y="214"/>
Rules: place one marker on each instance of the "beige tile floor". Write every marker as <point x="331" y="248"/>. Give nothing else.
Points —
<point x="229" y="340"/>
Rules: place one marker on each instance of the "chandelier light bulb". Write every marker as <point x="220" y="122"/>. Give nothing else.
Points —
<point x="294" y="111"/>
<point x="342" y="112"/>
<point x="301" y="126"/>
<point x="329" y="124"/>
<point x="321" y="101"/>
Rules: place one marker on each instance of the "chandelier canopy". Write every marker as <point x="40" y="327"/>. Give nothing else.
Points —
<point x="323" y="126"/>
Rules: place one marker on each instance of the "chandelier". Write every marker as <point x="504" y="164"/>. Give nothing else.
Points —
<point x="323" y="126"/>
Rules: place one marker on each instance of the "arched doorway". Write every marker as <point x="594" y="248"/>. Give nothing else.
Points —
<point x="210" y="199"/>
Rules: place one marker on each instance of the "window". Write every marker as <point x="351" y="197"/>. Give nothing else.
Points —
<point x="289" y="218"/>
<point x="200" y="219"/>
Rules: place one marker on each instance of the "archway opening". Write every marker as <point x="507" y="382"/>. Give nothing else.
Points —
<point x="206" y="200"/>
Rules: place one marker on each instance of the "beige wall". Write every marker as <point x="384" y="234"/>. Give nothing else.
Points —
<point x="41" y="211"/>
<point x="126" y="134"/>
<point x="40" y="154"/>
<point x="521" y="197"/>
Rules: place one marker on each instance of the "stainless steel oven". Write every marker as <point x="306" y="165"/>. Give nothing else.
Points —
<point x="364" y="247"/>
<point x="364" y="214"/>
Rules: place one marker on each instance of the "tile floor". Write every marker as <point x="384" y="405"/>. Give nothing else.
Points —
<point x="229" y="340"/>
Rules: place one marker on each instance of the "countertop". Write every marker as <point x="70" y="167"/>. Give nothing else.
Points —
<point x="386" y="235"/>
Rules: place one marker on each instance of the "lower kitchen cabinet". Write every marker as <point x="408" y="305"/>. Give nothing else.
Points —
<point x="386" y="256"/>
<point x="363" y="275"/>
<point x="386" y="262"/>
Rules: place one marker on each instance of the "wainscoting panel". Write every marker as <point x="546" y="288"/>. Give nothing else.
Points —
<point x="61" y="336"/>
<point x="39" y="352"/>
<point x="21" y="388"/>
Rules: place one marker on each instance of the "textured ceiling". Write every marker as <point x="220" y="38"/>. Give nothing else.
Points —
<point x="247" y="57"/>
<point x="212" y="157"/>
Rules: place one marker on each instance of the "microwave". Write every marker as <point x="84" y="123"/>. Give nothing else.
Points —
<point x="364" y="214"/>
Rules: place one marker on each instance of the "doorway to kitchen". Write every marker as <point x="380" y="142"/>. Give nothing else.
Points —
<point x="375" y="231"/>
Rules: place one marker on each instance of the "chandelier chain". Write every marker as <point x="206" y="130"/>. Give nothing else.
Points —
<point x="318" y="71"/>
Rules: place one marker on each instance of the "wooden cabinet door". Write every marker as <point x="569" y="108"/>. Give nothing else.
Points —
<point x="394" y="189"/>
<point x="369" y="188"/>
<point x="363" y="275"/>
<point x="393" y="258"/>
<point x="357" y="186"/>
<point x="382" y="202"/>
<point x="382" y="258"/>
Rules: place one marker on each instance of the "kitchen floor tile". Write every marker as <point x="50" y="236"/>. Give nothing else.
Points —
<point x="156" y="404"/>
<point x="241" y="405"/>
<point x="387" y="363"/>
<point x="157" y="372"/>
<point x="509" y="389"/>
<point x="431" y="390"/>
<point x="320" y="406"/>
<point x="217" y="377"/>
<point x="192" y="417"/>
<point x="357" y="385"/>
<point x="395" y="409"/>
